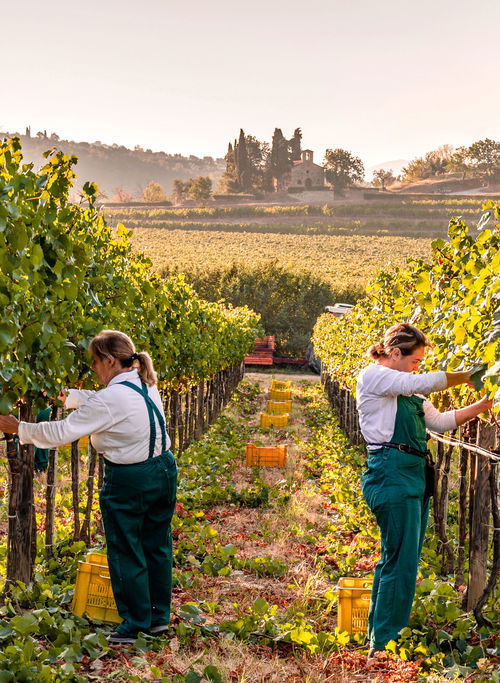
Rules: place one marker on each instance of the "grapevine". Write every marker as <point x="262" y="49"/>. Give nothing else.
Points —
<point x="66" y="275"/>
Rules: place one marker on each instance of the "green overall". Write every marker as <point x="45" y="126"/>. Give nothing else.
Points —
<point x="393" y="487"/>
<point x="137" y="504"/>
<point x="42" y="454"/>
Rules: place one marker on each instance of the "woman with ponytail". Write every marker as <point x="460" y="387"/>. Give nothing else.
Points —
<point x="393" y="417"/>
<point x="127" y="425"/>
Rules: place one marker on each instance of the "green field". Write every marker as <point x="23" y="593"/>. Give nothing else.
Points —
<point x="341" y="246"/>
<point x="341" y="243"/>
<point x="343" y="261"/>
<point x="397" y="216"/>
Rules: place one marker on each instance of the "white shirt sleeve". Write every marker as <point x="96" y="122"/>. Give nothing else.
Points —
<point x="388" y="382"/>
<point x="436" y="421"/>
<point x="77" y="398"/>
<point x="116" y="418"/>
<point x="376" y="396"/>
<point x="93" y="416"/>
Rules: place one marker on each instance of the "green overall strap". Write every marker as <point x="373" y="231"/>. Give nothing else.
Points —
<point x="409" y="427"/>
<point x="152" y="410"/>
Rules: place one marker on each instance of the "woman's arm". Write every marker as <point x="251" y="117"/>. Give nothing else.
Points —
<point x="444" y="422"/>
<point x="439" y="422"/>
<point x="94" y="416"/>
<point x="455" y="378"/>
<point x="71" y="398"/>
<point x="76" y="398"/>
<point x="463" y="415"/>
<point x="379" y="380"/>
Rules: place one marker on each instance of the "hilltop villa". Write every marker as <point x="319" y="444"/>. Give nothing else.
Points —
<point x="305" y="174"/>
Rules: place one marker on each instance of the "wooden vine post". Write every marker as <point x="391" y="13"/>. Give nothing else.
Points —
<point x="92" y="461"/>
<point x="50" y="495"/>
<point x="75" y="488"/>
<point x="479" y="518"/>
<point x="21" y="507"/>
<point x="200" y="412"/>
<point x="462" y="512"/>
<point x="440" y="502"/>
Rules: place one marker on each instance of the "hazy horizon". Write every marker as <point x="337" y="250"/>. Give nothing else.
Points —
<point x="389" y="82"/>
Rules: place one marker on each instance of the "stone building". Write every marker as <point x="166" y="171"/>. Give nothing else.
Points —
<point x="305" y="174"/>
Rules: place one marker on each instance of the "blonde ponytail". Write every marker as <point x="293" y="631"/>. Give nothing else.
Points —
<point x="146" y="370"/>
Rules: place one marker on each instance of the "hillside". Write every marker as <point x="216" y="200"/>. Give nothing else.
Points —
<point x="115" y="166"/>
<point x="451" y="183"/>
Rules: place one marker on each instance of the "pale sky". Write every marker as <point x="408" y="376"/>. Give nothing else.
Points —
<point x="389" y="80"/>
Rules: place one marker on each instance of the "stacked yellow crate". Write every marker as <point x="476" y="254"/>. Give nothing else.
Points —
<point x="280" y="386"/>
<point x="277" y="414"/>
<point x="279" y="421"/>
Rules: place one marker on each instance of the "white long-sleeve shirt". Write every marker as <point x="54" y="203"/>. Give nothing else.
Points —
<point x="377" y="391"/>
<point x="116" y="417"/>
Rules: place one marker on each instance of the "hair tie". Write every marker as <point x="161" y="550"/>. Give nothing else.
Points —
<point x="134" y="356"/>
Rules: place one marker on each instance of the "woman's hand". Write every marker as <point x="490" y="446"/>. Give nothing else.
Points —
<point x="486" y="402"/>
<point x="8" y="424"/>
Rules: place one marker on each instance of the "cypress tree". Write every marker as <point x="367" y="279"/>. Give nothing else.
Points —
<point x="229" y="180"/>
<point x="243" y="167"/>
<point x="294" y="145"/>
<point x="279" y="159"/>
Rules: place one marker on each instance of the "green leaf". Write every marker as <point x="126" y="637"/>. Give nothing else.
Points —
<point x="192" y="677"/>
<point x="212" y="674"/>
<point x="36" y="255"/>
<point x="5" y="632"/>
<point x="90" y="188"/>
<point x="476" y="377"/>
<point x="260" y="606"/>
<point x="24" y="624"/>
<point x="7" y="402"/>
<point x="7" y="335"/>
<point x="426" y="586"/>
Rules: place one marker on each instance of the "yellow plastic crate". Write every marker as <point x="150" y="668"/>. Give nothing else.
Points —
<point x="97" y="557"/>
<point x="277" y="395"/>
<point x="266" y="456"/>
<point x="93" y="593"/>
<point x="354" y="603"/>
<point x="279" y="407"/>
<point x="276" y="385"/>
<point x="279" y="421"/>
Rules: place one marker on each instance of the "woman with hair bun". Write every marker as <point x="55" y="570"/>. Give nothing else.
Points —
<point x="127" y="425"/>
<point x="393" y="417"/>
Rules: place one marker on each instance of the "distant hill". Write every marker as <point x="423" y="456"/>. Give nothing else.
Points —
<point x="115" y="166"/>
<point x="395" y="166"/>
<point x="451" y="183"/>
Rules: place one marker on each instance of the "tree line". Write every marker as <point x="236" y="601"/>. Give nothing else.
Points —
<point x="255" y="166"/>
<point x="480" y="160"/>
<point x="122" y="174"/>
